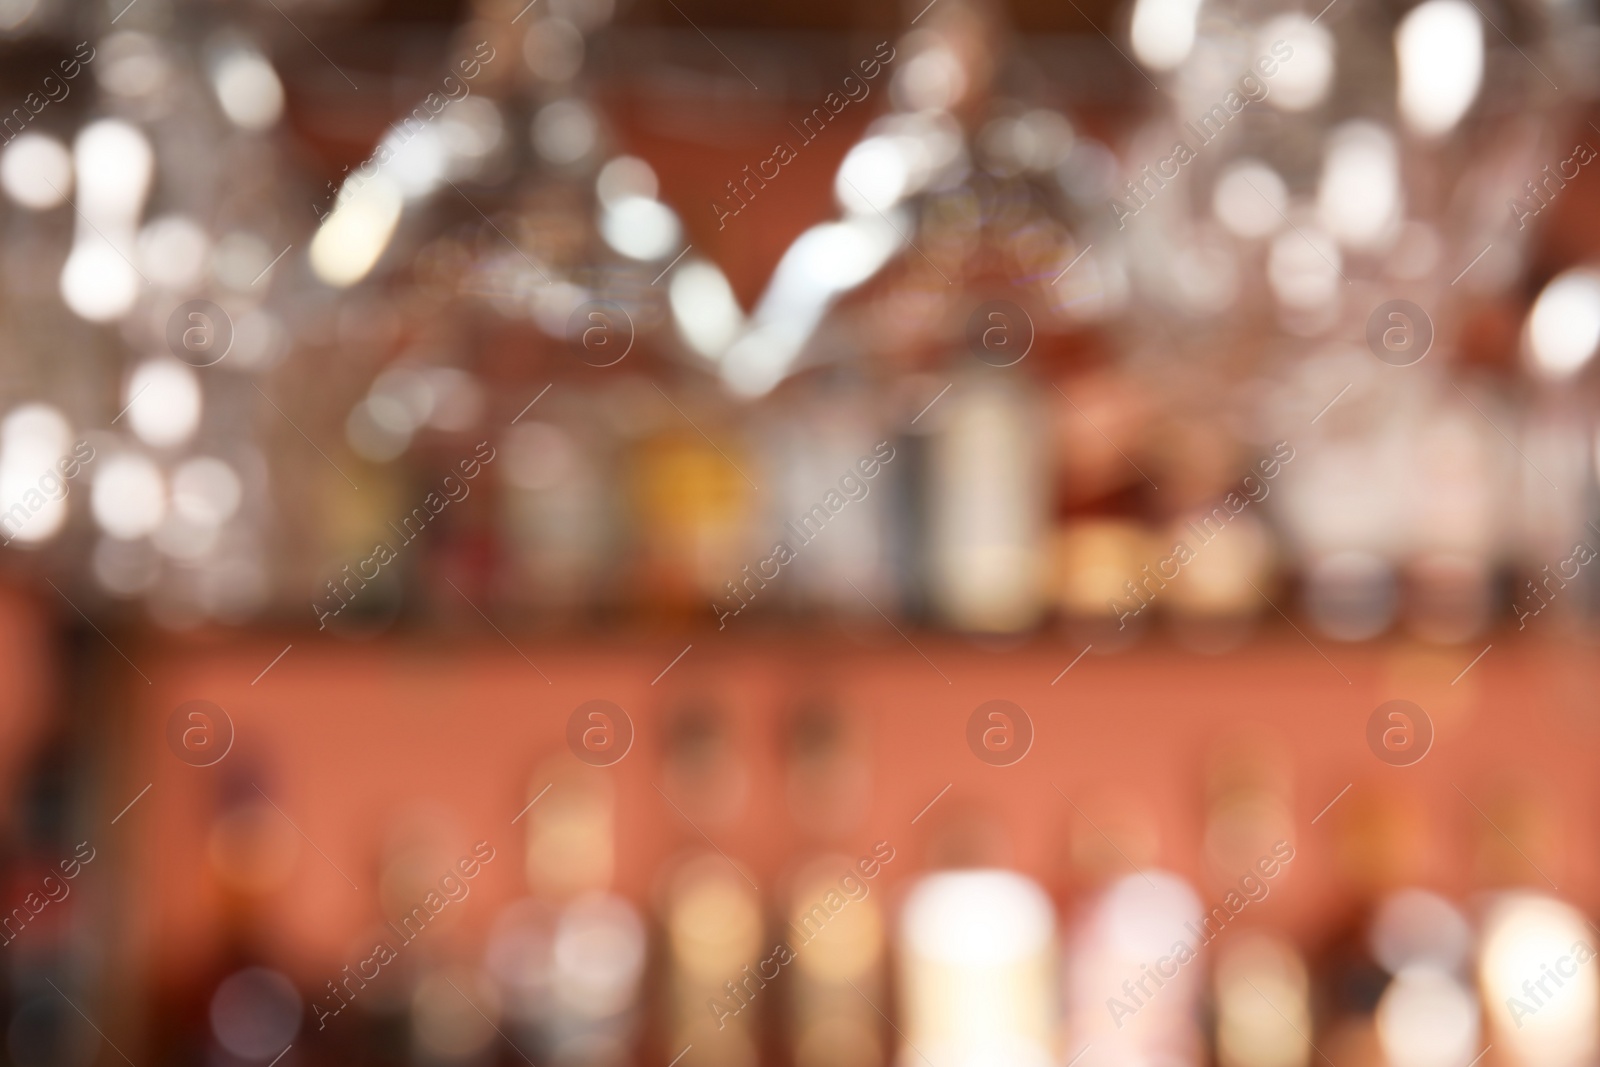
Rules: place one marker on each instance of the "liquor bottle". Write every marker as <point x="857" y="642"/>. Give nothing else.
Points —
<point x="718" y="965"/>
<point x="1134" y="973"/>
<point x="598" y="957"/>
<point x="1263" y="1003"/>
<point x="825" y="507"/>
<point x="837" y="989"/>
<point x="978" y="970"/>
<point x="1429" y="1012"/>
<point x="829" y="771"/>
<point x="689" y="506"/>
<point x="1537" y="972"/>
<point x="571" y="835"/>
<point x="987" y="520"/>
<point x="557" y="504"/>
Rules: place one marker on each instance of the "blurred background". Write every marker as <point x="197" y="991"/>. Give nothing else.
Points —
<point x="961" y="533"/>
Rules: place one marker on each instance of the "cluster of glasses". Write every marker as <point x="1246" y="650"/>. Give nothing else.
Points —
<point x="1189" y="298"/>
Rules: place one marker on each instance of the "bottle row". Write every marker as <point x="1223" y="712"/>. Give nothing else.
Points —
<point x="993" y="503"/>
<point x="959" y="967"/>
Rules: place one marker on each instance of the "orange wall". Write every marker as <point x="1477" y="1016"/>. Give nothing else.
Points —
<point x="343" y="737"/>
